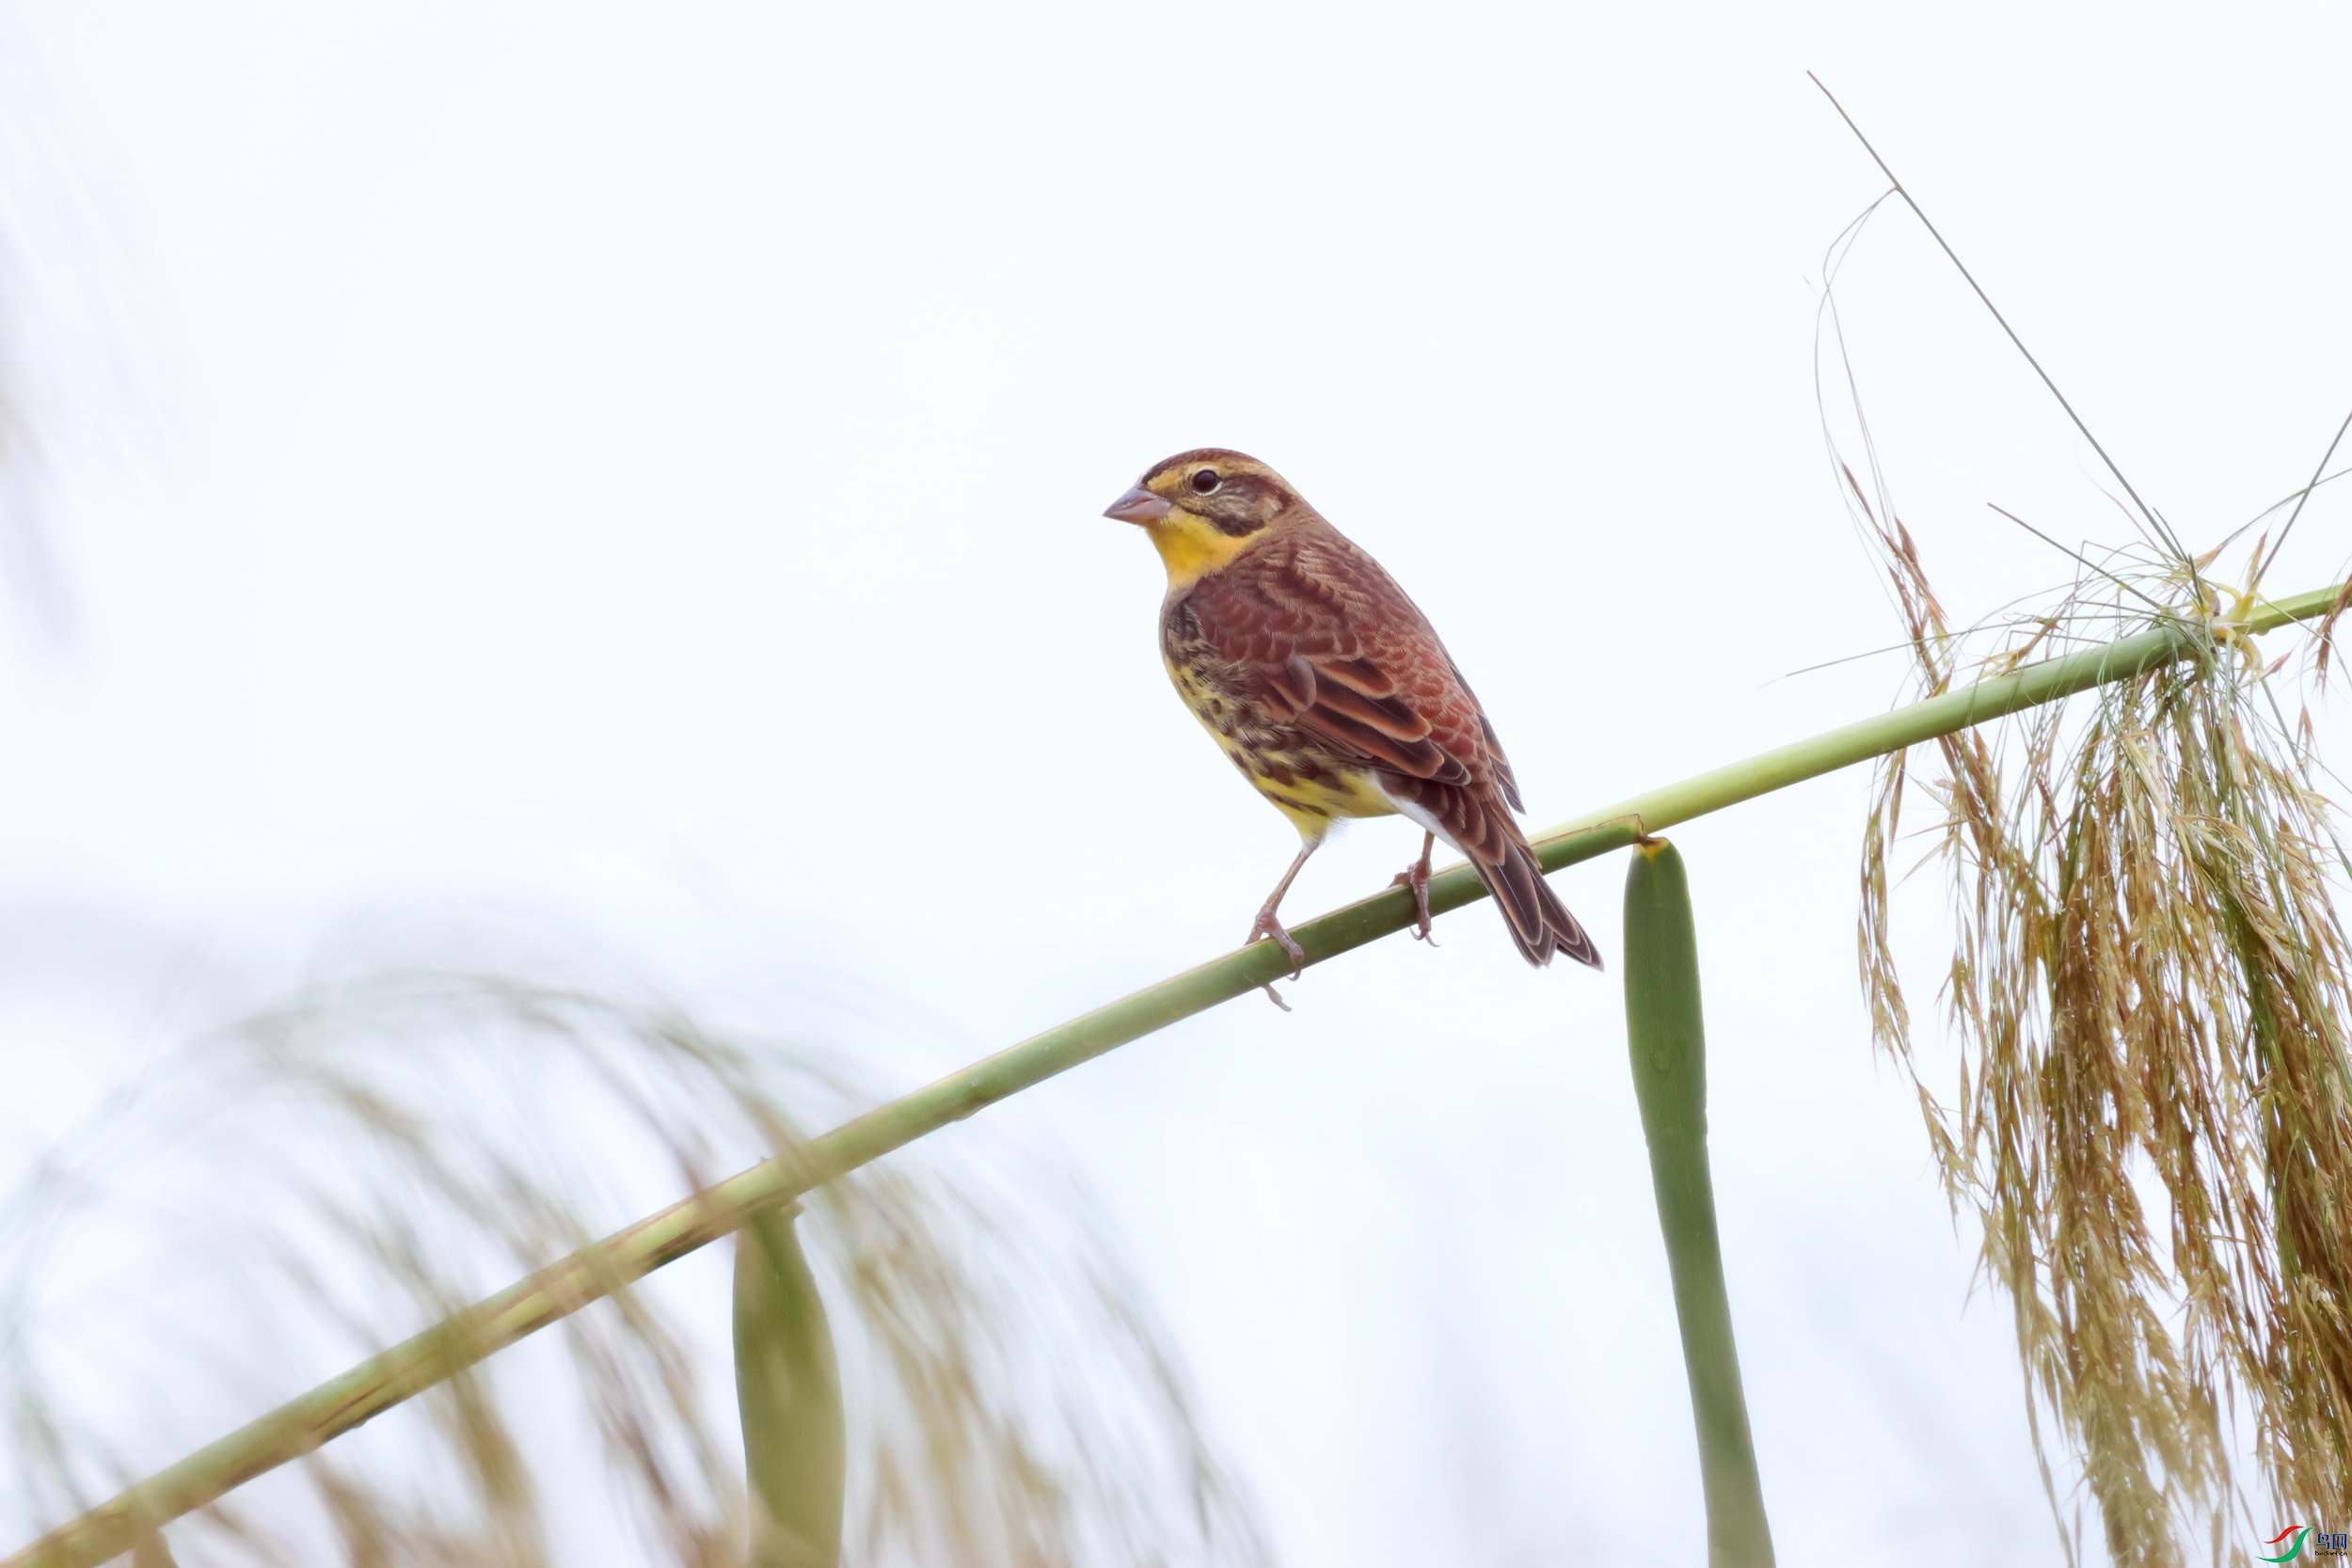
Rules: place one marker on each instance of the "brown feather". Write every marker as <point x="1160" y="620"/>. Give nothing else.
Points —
<point x="1390" y="716"/>
<point x="1362" y="675"/>
<point x="1292" y="682"/>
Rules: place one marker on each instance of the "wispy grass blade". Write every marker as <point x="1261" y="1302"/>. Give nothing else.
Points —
<point x="2153" y="518"/>
<point x="305" y="1424"/>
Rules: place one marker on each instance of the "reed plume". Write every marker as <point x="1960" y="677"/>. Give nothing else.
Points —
<point x="2152" y="1112"/>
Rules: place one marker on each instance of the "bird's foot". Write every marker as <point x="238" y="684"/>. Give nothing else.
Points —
<point x="1268" y="928"/>
<point x="1415" y="877"/>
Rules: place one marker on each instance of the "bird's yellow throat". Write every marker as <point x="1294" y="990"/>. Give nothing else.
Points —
<point x="1191" y="546"/>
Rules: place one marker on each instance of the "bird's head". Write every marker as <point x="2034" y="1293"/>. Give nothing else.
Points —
<point x="1204" y="507"/>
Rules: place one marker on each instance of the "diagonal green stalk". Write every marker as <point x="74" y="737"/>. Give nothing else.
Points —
<point x="1666" y="1039"/>
<point x="308" y="1421"/>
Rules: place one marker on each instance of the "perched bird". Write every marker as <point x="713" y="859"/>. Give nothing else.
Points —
<point x="1328" y="689"/>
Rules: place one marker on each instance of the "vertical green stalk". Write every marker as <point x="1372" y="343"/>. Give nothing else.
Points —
<point x="1668" y="1039"/>
<point x="789" y="1389"/>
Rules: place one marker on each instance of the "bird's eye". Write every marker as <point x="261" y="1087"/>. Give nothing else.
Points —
<point x="1205" y="479"/>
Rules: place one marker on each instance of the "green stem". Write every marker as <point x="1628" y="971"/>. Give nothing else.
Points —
<point x="309" y="1420"/>
<point x="787" y="1389"/>
<point x="1667" y="1039"/>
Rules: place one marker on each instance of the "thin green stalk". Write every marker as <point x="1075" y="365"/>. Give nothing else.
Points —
<point x="309" y="1420"/>
<point x="1666" y="1039"/>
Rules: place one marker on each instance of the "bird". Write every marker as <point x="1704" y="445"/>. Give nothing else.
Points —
<point x="1330" y="691"/>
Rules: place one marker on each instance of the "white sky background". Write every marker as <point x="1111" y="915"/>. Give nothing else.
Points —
<point x="638" y="469"/>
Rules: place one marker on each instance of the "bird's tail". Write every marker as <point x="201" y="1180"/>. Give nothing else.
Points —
<point x="1540" y="923"/>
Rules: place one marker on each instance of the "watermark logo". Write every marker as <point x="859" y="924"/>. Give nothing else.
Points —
<point x="2300" y="1532"/>
<point x="2322" y="1542"/>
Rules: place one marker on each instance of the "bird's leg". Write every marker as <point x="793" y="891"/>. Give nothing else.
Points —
<point x="1415" y="877"/>
<point x="1267" y="926"/>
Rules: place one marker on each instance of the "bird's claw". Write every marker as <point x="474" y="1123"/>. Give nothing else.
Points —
<point x="1271" y="929"/>
<point x="1415" y="877"/>
<point x="1267" y="927"/>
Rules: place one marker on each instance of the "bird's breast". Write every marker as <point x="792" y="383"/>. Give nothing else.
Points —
<point x="1293" y="769"/>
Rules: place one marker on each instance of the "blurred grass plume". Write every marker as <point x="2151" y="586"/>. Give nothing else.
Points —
<point x="333" y="1174"/>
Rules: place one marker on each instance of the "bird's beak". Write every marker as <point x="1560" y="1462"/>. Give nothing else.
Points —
<point x="1138" y="505"/>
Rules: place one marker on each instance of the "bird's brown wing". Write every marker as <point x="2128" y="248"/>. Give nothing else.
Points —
<point x="1335" y="647"/>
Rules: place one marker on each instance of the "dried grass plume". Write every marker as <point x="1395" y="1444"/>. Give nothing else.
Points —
<point x="2152" y="1113"/>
